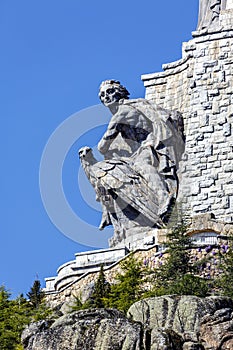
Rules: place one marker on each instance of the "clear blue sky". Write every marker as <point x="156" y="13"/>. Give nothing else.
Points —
<point x="54" y="54"/>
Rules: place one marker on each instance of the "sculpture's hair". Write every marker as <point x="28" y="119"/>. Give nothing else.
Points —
<point x="124" y="93"/>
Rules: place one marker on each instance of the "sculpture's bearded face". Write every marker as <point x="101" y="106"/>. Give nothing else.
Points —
<point x="110" y="94"/>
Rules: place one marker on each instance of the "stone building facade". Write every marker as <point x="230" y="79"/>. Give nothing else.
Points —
<point x="200" y="86"/>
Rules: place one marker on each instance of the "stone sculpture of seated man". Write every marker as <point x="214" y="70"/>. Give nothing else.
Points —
<point x="137" y="183"/>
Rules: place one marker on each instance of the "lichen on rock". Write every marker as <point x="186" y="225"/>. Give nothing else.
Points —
<point x="159" y="323"/>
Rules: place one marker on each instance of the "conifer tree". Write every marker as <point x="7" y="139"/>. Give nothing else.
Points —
<point x="36" y="295"/>
<point x="99" y="296"/>
<point x="128" y="287"/>
<point x="177" y="274"/>
<point x="40" y="310"/>
<point x="77" y="304"/>
<point x="224" y="283"/>
<point x="101" y="290"/>
<point x="14" y="315"/>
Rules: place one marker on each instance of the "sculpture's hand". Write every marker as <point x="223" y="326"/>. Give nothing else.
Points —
<point x="107" y="139"/>
<point x="103" y="146"/>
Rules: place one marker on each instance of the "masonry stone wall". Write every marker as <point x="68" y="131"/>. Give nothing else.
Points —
<point x="82" y="286"/>
<point x="200" y="86"/>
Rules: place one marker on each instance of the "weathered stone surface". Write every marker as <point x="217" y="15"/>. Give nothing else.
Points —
<point x="192" y="346"/>
<point x="200" y="323"/>
<point x="31" y="331"/>
<point x="216" y="330"/>
<point x="163" y="323"/>
<point x="87" y="330"/>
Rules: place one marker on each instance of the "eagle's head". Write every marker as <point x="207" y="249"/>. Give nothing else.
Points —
<point x="87" y="159"/>
<point x="84" y="151"/>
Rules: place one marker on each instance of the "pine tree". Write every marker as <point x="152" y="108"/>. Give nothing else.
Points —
<point x="101" y="290"/>
<point x="14" y="315"/>
<point x="177" y="274"/>
<point x="77" y="304"/>
<point x="8" y="338"/>
<point x="128" y="287"/>
<point x="36" y="295"/>
<point x="40" y="310"/>
<point x="99" y="296"/>
<point x="224" y="283"/>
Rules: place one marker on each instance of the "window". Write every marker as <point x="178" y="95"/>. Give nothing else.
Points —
<point x="205" y="238"/>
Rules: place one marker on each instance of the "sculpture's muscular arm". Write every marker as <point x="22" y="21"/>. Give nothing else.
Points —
<point x="109" y="135"/>
<point x="118" y="124"/>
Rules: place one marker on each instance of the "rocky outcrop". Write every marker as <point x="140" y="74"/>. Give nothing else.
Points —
<point x="162" y="323"/>
<point x="217" y="330"/>
<point x="186" y="322"/>
<point x="101" y="329"/>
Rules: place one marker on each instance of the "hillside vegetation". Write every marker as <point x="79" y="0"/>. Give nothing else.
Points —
<point x="136" y="281"/>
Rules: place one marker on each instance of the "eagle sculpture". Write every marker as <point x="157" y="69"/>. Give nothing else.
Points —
<point x="116" y="181"/>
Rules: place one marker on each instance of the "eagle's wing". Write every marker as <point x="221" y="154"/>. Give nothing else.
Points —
<point x="130" y="186"/>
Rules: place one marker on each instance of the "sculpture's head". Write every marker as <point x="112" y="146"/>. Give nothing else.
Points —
<point x="111" y="91"/>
